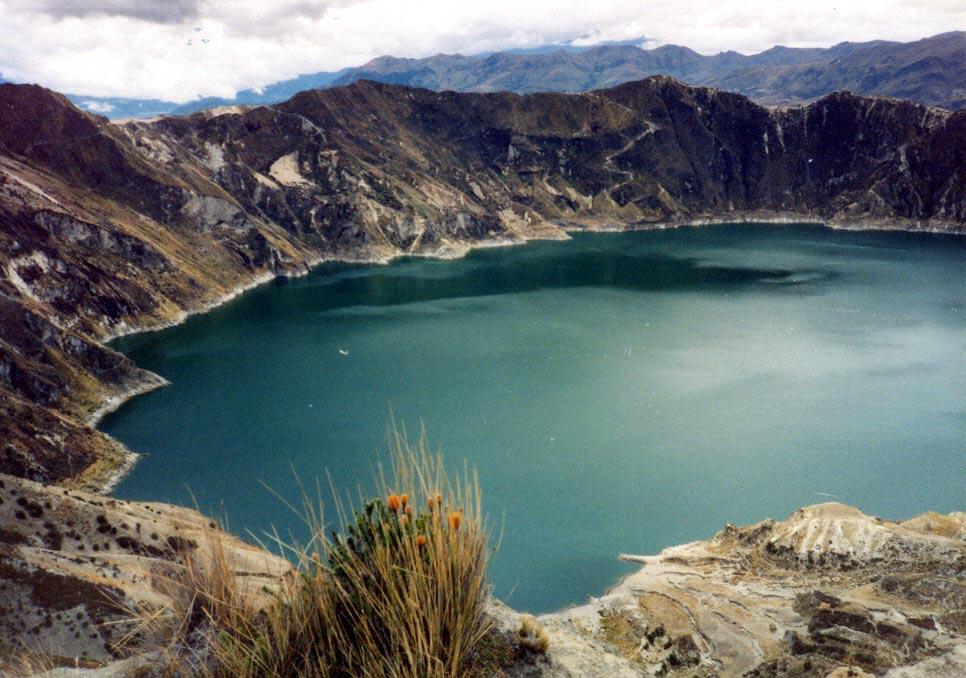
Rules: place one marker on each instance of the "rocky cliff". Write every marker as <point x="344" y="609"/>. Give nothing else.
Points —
<point x="109" y="228"/>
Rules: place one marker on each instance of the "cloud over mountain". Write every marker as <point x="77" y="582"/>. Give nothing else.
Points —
<point x="183" y="49"/>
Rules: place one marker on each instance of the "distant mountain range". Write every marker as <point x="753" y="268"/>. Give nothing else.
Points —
<point x="118" y="108"/>
<point x="588" y="69"/>
<point x="931" y="71"/>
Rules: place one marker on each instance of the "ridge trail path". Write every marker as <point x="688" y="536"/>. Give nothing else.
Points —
<point x="609" y="159"/>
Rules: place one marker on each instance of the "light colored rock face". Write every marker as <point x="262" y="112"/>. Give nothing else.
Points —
<point x="207" y="212"/>
<point x="771" y="600"/>
<point x="826" y="591"/>
<point x="951" y="664"/>
<point x="836" y="533"/>
<point x="74" y="565"/>
<point x="286" y="171"/>
<point x="573" y="652"/>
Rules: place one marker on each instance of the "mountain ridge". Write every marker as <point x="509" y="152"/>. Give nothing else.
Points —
<point x="109" y="227"/>
<point x="931" y="71"/>
<point x="595" y="67"/>
<point x="768" y="76"/>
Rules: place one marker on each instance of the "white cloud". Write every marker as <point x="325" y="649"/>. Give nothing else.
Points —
<point x="181" y="49"/>
<point x="102" y="107"/>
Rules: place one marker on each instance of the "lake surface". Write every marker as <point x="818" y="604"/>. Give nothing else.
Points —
<point x="617" y="392"/>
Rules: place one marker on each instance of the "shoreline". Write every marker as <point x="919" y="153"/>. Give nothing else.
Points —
<point x="114" y="479"/>
<point x="111" y="403"/>
<point x="738" y="596"/>
<point x="450" y="251"/>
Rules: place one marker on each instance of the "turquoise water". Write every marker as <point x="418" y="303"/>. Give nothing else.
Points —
<point x="616" y="393"/>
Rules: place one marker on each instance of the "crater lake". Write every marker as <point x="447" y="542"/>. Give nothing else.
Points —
<point x="618" y="392"/>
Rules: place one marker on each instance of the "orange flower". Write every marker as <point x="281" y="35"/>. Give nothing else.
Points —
<point x="455" y="517"/>
<point x="439" y="499"/>
<point x="403" y="499"/>
<point x="431" y="503"/>
<point x="394" y="502"/>
<point x="409" y="509"/>
<point x="420" y="541"/>
<point x="404" y="519"/>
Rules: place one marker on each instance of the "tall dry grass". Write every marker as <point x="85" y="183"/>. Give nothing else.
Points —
<point x="399" y="590"/>
<point x="203" y="598"/>
<point x="23" y="662"/>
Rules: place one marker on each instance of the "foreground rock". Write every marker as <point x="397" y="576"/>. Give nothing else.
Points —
<point x="827" y="593"/>
<point x="75" y="566"/>
<point x="830" y="589"/>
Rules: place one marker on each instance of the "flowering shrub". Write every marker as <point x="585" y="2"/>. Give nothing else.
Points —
<point x="399" y="591"/>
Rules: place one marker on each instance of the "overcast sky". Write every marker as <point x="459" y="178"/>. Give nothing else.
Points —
<point x="181" y="49"/>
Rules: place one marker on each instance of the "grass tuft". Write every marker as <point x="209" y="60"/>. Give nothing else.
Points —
<point x="399" y="590"/>
<point x="533" y="636"/>
<point x="22" y="662"/>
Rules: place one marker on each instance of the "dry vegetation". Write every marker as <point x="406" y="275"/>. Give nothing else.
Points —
<point x="399" y="591"/>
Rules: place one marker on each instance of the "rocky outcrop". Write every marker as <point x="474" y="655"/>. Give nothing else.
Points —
<point x="76" y="567"/>
<point x="109" y="228"/>
<point x="827" y="593"/>
<point x="829" y="589"/>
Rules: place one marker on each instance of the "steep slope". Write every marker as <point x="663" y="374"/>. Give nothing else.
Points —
<point x="107" y="228"/>
<point x="653" y="151"/>
<point x="95" y="241"/>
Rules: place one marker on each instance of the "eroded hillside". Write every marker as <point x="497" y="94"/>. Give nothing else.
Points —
<point x="107" y="228"/>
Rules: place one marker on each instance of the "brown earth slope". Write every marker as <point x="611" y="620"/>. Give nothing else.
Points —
<point x="106" y="228"/>
<point x="75" y="566"/>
